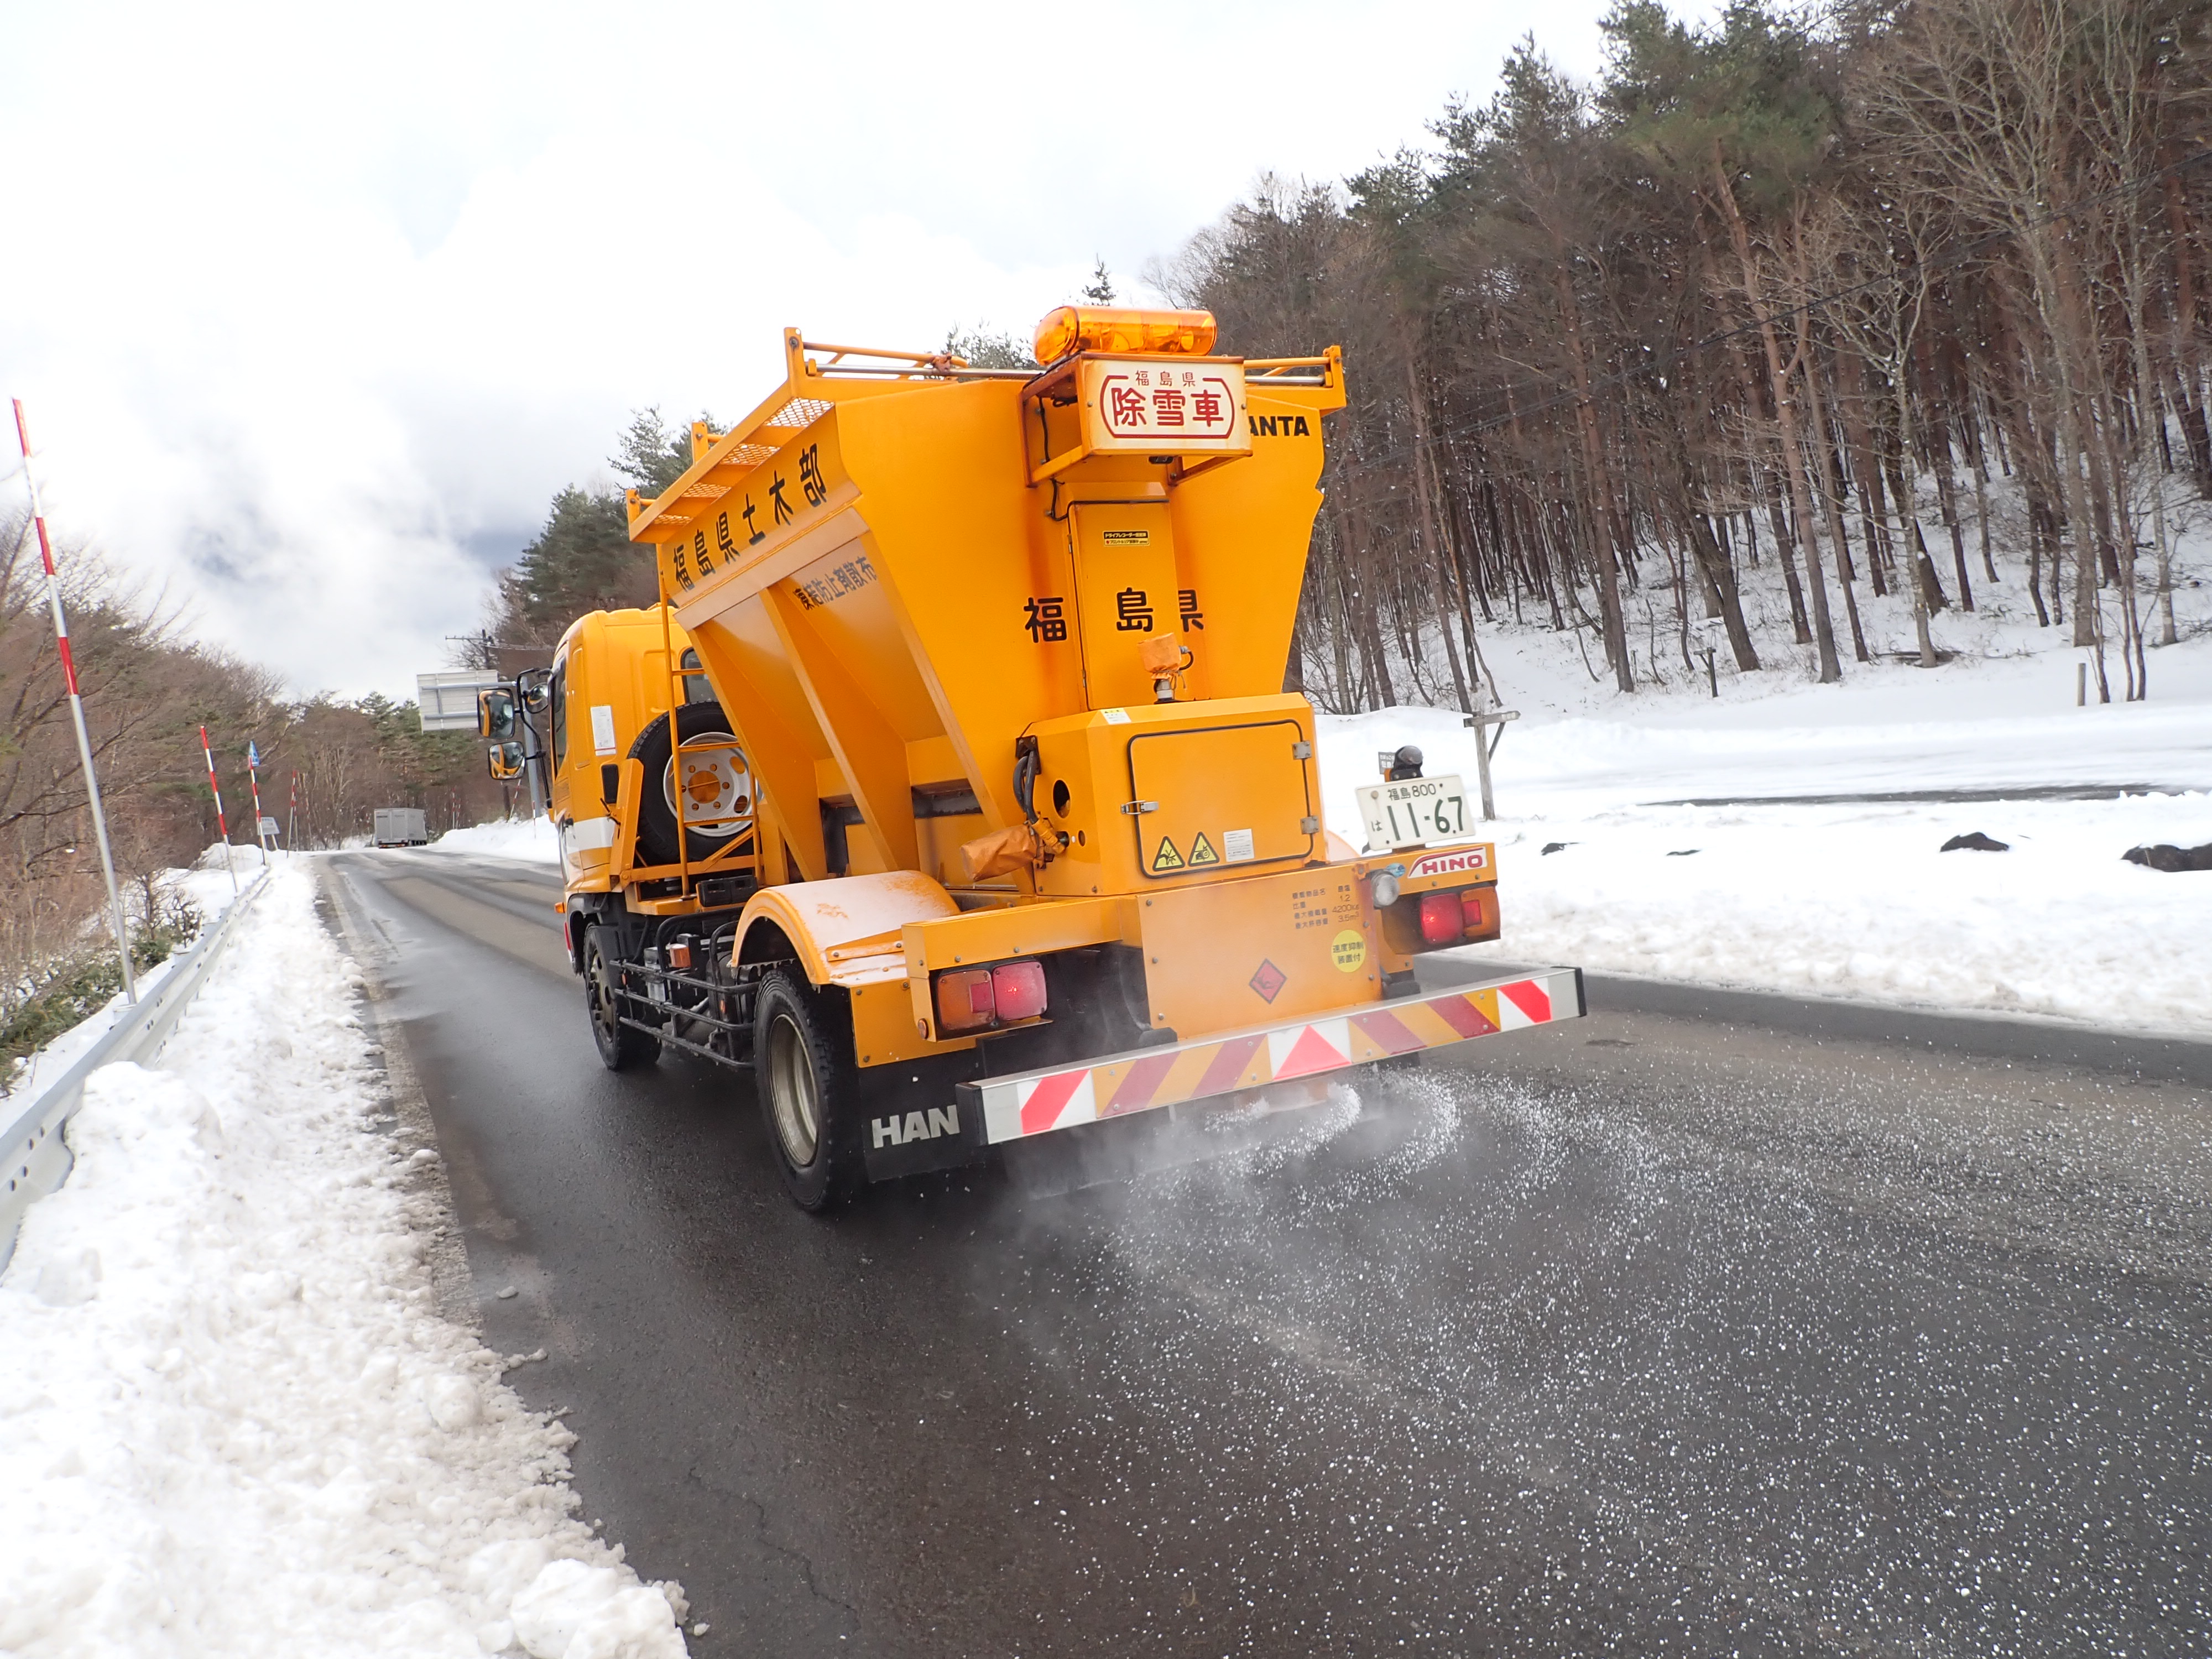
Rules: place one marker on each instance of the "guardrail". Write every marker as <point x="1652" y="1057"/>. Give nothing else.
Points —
<point x="36" y="1152"/>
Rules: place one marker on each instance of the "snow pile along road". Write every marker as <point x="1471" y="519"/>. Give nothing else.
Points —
<point x="1861" y="902"/>
<point x="507" y="838"/>
<point x="231" y="1417"/>
<point x="1694" y="842"/>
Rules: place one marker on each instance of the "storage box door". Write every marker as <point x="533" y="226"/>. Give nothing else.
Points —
<point x="1222" y="796"/>
<point x="1125" y="588"/>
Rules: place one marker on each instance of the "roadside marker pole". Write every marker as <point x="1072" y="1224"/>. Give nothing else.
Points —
<point x="292" y="817"/>
<point x="77" y="713"/>
<point x="221" y="824"/>
<point x="253" y="779"/>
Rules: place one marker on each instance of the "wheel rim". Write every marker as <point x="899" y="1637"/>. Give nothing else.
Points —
<point x="605" y="1013"/>
<point x="791" y="1086"/>
<point x="716" y="784"/>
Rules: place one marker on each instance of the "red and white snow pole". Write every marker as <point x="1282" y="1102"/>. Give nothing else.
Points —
<point x="77" y="713"/>
<point x="292" y="817"/>
<point x="253" y="779"/>
<point x="221" y="824"/>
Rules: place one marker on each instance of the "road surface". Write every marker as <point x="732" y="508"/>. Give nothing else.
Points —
<point x="1710" y="1324"/>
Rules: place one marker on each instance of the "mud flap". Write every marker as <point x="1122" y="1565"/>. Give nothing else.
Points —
<point x="913" y="1120"/>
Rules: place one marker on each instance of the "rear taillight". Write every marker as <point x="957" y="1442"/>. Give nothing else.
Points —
<point x="1018" y="988"/>
<point x="1443" y="918"/>
<point x="964" y="1000"/>
<point x="968" y="998"/>
<point x="1481" y="906"/>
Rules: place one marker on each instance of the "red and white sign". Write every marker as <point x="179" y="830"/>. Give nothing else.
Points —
<point x="1467" y="860"/>
<point x="1033" y="1103"/>
<point x="1159" y="404"/>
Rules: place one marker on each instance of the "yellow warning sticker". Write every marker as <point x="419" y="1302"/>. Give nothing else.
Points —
<point x="1201" y="851"/>
<point x="1167" y="858"/>
<point x="1348" y="951"/>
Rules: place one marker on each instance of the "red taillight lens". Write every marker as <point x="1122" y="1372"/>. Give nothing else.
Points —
<point x="1442" y="920"/>
<point x="1018" y="988"/>
<point x="964" y="1000"/>
<point x="1481" y="909"/>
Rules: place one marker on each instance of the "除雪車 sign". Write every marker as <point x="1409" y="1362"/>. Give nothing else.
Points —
<point x="1165" y="405"/>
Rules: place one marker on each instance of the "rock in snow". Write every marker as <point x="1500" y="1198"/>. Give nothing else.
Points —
<point x="202" y="1453"/>
<point x="1976" y="841"/>
<point x="2171" y="859"/>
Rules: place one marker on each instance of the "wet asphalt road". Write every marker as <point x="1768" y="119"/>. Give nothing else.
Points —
<point x="1707" y="1325"/>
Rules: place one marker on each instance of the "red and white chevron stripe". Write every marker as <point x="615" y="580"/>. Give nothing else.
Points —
<point x="1032" y="1102"/>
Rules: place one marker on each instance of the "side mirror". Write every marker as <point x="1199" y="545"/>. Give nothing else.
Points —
<point x="506" y="759"/>
<point x="495" y="714"/>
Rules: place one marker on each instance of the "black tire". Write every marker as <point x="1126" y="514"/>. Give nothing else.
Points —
<point x="656" y="809"/>
<point x="622" y="1048"/>
<point x="809" y="1090"/>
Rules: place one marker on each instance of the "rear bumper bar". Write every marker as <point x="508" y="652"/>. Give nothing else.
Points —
<point x="1059" y="1097"/>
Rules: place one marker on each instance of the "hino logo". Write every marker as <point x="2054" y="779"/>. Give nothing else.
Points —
<point x="916" y="1126"/>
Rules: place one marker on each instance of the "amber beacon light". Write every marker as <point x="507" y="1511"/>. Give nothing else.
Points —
<point x="1070" y="328"/>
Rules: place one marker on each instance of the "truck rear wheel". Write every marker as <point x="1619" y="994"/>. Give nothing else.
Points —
<point x="620" y="1047"/>
<point x="803" y="1066"/>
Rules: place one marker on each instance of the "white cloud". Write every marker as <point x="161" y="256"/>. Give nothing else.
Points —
<point x="319" y="301"/>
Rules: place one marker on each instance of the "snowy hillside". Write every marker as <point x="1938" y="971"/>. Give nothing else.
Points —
<point x="1692" y="850"/>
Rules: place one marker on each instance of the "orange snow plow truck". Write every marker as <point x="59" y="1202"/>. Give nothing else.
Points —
<point x="952" y="790"/>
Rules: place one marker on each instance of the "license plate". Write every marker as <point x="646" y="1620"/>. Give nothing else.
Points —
<point x="1413" y="811"/>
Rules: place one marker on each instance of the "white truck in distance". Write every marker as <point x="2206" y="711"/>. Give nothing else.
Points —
<point x="401" y="826"/>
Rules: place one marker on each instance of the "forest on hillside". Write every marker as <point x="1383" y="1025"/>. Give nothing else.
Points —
<point x="1767" y="312"/>
<point x="1799" y="307"/>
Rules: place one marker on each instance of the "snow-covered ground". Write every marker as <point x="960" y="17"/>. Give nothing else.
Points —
<point x="208" y="884"/>
<point x="1851" y="899"/>
<point x="233" y="1420"/>
<point x="507" y="838"/>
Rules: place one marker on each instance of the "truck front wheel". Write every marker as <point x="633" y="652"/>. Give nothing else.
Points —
<point x="803" y="1065"/>
<point x="620" y="1047"/>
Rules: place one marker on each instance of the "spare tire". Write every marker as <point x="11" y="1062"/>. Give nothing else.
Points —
<point x="717" y="784"/>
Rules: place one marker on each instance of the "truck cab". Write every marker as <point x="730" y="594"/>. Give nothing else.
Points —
<point x="608" y="694"/>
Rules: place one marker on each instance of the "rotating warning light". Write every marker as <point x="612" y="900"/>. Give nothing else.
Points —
<point x="1070" y="328"/>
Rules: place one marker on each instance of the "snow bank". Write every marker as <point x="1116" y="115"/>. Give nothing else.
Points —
<point x="1852" y="899"/>
<point x="1860" y="901"/>
<point x="232" y="1420"/>
<point x="210" y="890"/>
<point x="510" y="838"/>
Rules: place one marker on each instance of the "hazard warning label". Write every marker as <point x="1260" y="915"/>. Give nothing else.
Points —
<point x="1201" y="851"/>
<point x="1167" y="858"/>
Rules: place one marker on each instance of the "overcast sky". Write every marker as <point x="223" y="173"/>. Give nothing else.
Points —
<point x="314" y="308"/>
